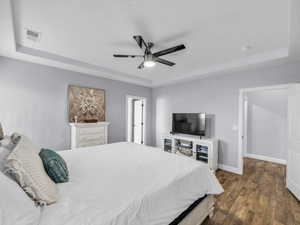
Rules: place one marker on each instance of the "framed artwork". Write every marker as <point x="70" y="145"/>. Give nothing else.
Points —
<point x="86" y="104"/>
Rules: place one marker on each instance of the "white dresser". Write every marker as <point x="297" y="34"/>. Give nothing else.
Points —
<point x="88" y="134"/>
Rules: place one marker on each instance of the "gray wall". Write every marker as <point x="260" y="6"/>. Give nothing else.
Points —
<point x="34" y="102"/>
<point x="267" y="123"/>
<point x="217" y="95"/>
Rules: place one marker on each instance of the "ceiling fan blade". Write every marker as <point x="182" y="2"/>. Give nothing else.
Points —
<point x="163" y="61"/>
<point x="127" y="56"/>
<point x="150" y="45"/>
<point x="169" y="50"/>
<point x="141" y="66"/>
<point x="140" y="41"/>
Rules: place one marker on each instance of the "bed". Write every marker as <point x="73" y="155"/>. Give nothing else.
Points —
<point x="131" y="184"/>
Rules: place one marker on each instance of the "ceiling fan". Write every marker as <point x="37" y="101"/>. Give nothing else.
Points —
<point x="150" y="59"/>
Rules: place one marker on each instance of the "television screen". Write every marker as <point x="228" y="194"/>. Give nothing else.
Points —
<point x="189" y="123"/>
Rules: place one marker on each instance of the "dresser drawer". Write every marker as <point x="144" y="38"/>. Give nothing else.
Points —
<point x="91" y="137"/>
<point x="91" y="143"/>
<point x="91" y="130"/>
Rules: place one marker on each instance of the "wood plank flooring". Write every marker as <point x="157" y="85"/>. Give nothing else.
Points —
<point x="259" y="197"/>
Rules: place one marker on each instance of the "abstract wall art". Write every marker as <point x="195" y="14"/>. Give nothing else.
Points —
<point x="86" y="104"/>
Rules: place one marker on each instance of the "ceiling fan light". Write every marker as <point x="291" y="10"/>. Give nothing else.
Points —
<point x="149" y="63"/>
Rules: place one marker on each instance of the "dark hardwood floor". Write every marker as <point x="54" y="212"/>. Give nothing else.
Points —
<point x="259" y="197"/>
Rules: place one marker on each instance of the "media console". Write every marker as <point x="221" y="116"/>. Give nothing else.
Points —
<point x="204" y="150"/>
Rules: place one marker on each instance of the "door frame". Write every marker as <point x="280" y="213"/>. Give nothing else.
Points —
<point x="144" y="116"/>
<point x="241" y="119"/>
<point x="292" y="183"/>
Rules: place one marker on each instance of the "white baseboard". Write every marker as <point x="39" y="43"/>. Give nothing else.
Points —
<point x="293" y="188"/>
<point x="265" y="158"/>
<point x="230" y="169"/>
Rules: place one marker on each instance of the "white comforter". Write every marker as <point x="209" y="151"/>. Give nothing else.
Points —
<point x="128" y="184"/>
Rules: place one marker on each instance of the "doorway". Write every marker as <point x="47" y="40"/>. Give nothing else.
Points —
<point x="136" y="119"/>
<point x="263" y="124"/>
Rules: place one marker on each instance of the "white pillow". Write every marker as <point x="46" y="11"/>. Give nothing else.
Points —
<point x="7" y="144"/>
<point x="6" y="147"/>
<point x="16" y="208"/>
<point x="26" y="166"/>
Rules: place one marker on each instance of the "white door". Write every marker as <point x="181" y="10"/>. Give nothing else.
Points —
<point x="245" y="130"/>
<point x="293" y="162"/>
<point x="138" y="112"/>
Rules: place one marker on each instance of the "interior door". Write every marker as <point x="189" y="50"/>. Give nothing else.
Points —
<point x="245" y="125"/>
<point x="138" y="111"/>
<point x="293" y="162"/>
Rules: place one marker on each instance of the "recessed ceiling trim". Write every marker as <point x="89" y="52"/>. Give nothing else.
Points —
<point x="45" y="58"/>
<point x="255" y="59"/>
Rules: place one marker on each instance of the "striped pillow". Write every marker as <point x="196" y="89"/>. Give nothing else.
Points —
<point x="55" y="166"/>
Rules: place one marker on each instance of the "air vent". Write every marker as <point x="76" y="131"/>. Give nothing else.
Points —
<point x="33" y="35"/>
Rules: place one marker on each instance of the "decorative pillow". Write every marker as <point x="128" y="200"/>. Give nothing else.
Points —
<point x="55" y="166"/>
<point x="16" y="208"/>
<point x="7" y="144"/>
<point x="3" y="155"/>
<point x="15" y="138"/>
<point x="27" y="169"/>
<point x="4" y="152"/>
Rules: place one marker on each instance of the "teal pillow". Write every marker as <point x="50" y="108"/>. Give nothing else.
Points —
<point x="55" y="166"/>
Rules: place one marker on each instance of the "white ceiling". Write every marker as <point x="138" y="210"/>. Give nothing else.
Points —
<point x="83" y="35"/>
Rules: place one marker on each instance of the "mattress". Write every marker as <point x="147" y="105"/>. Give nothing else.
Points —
<point x="128" y="184"/>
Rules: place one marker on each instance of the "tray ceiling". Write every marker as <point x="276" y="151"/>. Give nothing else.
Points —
<point x="219" y="35"/>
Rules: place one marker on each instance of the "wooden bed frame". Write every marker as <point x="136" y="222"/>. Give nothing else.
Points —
<point x="199" y="211"/>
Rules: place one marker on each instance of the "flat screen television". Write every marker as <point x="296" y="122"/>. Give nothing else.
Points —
<point x="189" y="123"/>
